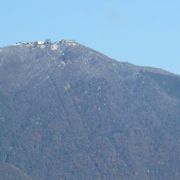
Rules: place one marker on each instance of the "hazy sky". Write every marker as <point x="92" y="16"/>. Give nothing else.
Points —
<point x="143" y="32"/>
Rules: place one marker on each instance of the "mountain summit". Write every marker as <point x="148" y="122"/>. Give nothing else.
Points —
<point x="69" y="112"/>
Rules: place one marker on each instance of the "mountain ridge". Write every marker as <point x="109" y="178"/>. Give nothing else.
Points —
<point x="48" y="43"/>
<point x="69" y="112"/>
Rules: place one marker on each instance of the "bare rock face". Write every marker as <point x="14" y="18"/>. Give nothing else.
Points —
<point x="68" y="112"/>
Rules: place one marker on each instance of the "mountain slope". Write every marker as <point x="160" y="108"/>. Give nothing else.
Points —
<point x="69" y="112"/>
<point x="9" y="172"/>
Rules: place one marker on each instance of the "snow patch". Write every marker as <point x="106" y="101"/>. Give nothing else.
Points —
<point x="42" y="46"/>
<point x="67" y="86"/>
<point x="54" y="47"/>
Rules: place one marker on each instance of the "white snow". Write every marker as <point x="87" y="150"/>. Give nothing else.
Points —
<point x="54" y="47"/>
<point x="42" y="46"/>
<point x="67" y="86"/>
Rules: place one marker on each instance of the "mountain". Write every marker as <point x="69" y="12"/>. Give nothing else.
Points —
<point x="10" y="172"/>
<point x="68" y="112"/>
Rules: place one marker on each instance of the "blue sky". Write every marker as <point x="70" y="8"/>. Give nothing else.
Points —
<point x="143" y="32"/>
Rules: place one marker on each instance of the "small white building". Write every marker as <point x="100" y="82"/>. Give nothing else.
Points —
<point x="40" y="42"/>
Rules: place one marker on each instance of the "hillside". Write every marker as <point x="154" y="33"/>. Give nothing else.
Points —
<point x="69" y="112"/>
<point x="10" y="172"/>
